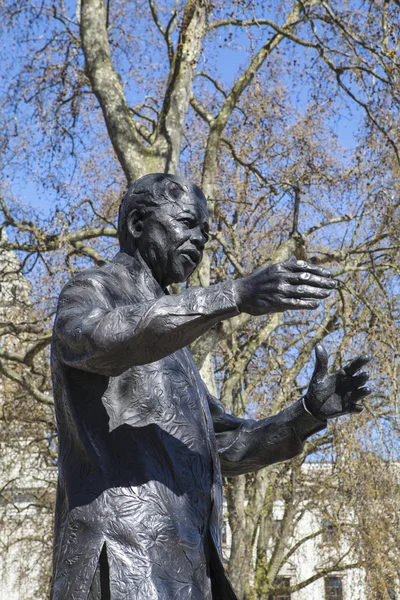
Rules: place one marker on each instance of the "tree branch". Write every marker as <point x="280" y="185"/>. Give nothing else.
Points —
<point x="25" y="384"/>
<point x="218" y="124"/>
<point x="108" y="89"/>
<point x="179" y="87"/>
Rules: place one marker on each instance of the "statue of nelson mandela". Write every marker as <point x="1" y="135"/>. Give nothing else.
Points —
<point x="142" y="443"/>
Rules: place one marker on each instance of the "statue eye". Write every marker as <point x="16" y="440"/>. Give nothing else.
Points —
<point x="187" y="221"/>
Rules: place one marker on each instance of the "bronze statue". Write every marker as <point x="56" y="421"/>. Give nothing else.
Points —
<point x="142" y="443"/>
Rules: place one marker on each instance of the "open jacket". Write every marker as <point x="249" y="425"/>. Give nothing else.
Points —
<point x="141" y="441"/>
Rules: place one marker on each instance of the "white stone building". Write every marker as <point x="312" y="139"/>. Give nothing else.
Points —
<point x="307" y="561"/>
<point x="24" y="524"/>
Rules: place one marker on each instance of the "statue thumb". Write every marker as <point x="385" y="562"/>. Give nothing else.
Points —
<point x="321" y="360"/>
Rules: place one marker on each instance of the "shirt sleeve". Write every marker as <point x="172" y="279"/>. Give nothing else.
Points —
<point x="91" y="334"/>
<point x="246" y="445"/>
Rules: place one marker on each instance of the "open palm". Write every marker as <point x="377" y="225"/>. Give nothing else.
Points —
<point x="338" y="393"/>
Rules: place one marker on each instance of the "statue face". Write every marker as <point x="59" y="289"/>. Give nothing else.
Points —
<point x="173" y="236"/>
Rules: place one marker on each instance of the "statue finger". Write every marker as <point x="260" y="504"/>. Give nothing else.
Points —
<point x="356" y="364"/>
<point x="356" y="408"/>
<point x="299" y="304"/>
<point x="321" y="360"/>
<point x="310" y="279"/>
<point x="360" y="379"/>
<point x="304" y="291"/>
<point x="297" y="266"/>
<point x="360" y="393"/>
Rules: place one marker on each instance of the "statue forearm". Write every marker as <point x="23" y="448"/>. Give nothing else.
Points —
<point x="257" y="444"/>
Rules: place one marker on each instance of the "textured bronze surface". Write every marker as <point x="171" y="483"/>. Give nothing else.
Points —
<point x="142" y="444"/>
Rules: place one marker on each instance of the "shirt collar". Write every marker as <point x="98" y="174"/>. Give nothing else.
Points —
<point x="138" y="269"/>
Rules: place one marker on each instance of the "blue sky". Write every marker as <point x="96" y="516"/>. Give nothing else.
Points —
<point x="228" y="62"/>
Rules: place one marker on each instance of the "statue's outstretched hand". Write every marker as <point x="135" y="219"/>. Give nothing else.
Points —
<point x="332" y="395"/>
<point x="290" y="285"/>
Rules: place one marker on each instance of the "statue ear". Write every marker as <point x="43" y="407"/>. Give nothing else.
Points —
<point x="134" y="223"/>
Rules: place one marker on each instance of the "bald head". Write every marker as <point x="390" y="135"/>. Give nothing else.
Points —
<point x="152" y="192"/>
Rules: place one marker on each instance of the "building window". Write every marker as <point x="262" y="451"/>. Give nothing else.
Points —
<point x="329" y="531"/>
<point x="283" y="582"/>
<point x="333" y="588"/>
<point x="276" y="527"/>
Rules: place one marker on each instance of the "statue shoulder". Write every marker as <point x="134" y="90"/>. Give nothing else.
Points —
<point x="94" y="281"/>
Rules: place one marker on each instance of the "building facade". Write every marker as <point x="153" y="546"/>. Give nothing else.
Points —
<point x="311" y="558"/>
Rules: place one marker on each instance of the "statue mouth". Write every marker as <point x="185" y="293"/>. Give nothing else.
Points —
<point x="192" y="256"/>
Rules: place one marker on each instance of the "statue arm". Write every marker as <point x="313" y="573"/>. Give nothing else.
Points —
<point x="246" y="445"/>
<point x="92" y="334"/>
<point x="249" y="445"/>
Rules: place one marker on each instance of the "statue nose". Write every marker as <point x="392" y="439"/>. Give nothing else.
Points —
<point x="198" y="238"/>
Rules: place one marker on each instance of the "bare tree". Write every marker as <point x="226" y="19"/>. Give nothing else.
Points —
<point x="103" y="92"/>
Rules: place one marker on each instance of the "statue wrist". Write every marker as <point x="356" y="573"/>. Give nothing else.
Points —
<point x="315" y="414"/>
<point x="236" y="287"/>
<point x="303" y="401"/>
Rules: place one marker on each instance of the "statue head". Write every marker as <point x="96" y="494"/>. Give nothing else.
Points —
<point x="164" y="218"/>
